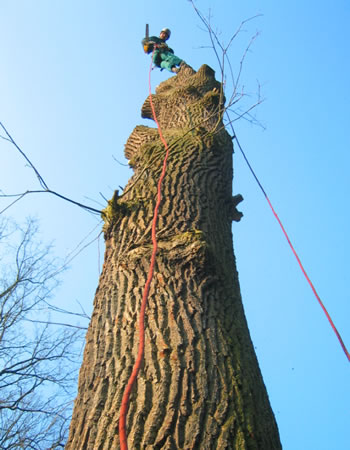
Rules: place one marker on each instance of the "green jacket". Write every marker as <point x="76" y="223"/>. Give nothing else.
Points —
<point x="154" y="43"/>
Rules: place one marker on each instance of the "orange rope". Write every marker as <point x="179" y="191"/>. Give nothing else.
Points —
<point x="125" y="400"/>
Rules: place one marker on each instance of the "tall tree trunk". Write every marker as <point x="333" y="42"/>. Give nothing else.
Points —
<point x="200" y="385"/>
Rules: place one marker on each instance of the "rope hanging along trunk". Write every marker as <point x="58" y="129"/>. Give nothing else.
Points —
<point x="125" y="400"/>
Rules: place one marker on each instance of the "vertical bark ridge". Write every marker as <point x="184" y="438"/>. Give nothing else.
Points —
<point x="200" y="385"/>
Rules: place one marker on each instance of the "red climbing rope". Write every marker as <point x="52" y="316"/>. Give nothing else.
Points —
<point x="293" y="250"/>
<point x="125" y="400"/>
<point x="310" y="282"/>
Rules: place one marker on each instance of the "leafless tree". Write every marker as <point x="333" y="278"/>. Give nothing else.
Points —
<point x="38" y="357"/>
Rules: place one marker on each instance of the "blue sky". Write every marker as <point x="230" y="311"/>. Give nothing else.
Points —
<point x="72" y="81"/>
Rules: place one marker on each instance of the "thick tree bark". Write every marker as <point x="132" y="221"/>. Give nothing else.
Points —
<point x="200" y="385"/>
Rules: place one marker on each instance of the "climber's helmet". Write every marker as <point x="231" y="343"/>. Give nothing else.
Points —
<point x="165" y="34"/>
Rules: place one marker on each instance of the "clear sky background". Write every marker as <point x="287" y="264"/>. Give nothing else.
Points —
<point x="73" y="78"/>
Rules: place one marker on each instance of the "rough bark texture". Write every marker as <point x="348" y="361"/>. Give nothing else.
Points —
<point x="200" y="386"/>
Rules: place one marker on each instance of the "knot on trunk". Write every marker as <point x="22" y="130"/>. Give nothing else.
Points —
<point x="235" y="215"/>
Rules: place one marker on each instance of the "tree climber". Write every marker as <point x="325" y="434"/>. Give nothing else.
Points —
<point x="163" y="56"/>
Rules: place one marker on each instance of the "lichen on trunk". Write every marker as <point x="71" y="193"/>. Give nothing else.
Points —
<point x="200" y="385"/>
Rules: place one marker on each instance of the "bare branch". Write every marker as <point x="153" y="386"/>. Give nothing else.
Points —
<point x="221" y="52"/>
<point x="61" y="324"/>
<point x="40" y="178"/>
<point x="45" y="188"/>
<point x="19" y="197"/>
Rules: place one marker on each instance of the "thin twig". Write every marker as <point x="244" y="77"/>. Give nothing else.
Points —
<point x="223" y="59"/>
<point x="115" y="159"/>
<point x="40" y="178"/>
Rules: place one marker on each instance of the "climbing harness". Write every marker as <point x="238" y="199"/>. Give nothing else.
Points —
<point x="125" y="400"/>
